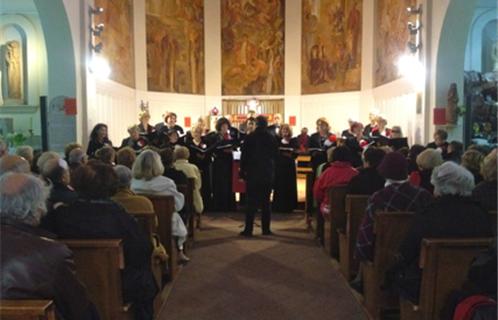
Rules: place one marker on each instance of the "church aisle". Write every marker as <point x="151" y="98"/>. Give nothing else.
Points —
<point x="286" y="276"/>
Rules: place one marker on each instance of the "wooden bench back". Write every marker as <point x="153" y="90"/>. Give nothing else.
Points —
<point x="355" y="206"/>
<point x="27" y="310"/>
<point x="390" y="229"/>
<point x="336" y="220"/>
<point x="188" y="192"/>
<point x="164" y="206"/>
<point x="146" y="221"/>
<point x="445" y="264"/>
<point x="99" y="263"/>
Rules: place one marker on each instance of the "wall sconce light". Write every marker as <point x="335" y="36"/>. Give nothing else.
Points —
<point x="96" y="11"/>
<point x="97" y="30"/>
<point x="414" y="10"/>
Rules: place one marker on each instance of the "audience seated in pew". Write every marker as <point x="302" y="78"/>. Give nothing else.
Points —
<point x="56" y="173"/>
<point x="12" y="163"/>
<point x="77" y="157"/>
<point x="94" y="215"/>
<point x="398" y="195"/>
<point x="413" y="153"/>
<point x="167" y="159"/>
<point x="478" y="292"/>
<point x="33" y="265"/>
<point x="148" y="179"/>
<point x="368" y="180"/>
<point x="340" y="172"/>
<point x="27" y="153"/>
<point x="182" y="155"/>
<point x="485" y="192"/>
<point x="427" y="160"/>
<point x="132" y="202"/>
<point x="472" y="160"/>
<point x="107" y="155"/>
<point x="455" y="151"/>
<point x="452" y="214"/>
<point x="126" y="156"/>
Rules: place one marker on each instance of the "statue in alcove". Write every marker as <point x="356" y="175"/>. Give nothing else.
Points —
<point x="13" y="70"/>
<point x="452" y="107"/>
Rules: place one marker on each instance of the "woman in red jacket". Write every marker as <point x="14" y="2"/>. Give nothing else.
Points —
<point x="340" y="172"/>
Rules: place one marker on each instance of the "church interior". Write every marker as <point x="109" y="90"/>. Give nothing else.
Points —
<point x="248" y="159"/>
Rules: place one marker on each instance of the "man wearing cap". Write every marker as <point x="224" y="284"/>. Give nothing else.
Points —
<point x="397" y="195"/>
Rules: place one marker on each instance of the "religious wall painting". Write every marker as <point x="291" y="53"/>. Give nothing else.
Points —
<point x="252" y="47"/>
<point x="331" y="46"/>
<point x="391" y="38"/>
<point x="117" y="39"/>
<point x="175" y="46"/>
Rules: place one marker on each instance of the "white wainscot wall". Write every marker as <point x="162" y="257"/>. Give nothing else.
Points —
<point x="184" y="105"/>
<point x="338" y="108"/>
<point x="397" y="102"/>
<point x="114" y="105"/>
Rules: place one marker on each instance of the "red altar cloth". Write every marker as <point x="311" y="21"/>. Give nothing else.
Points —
<point x="238" y="185"/>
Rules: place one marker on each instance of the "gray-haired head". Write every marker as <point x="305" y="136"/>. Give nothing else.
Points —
<point x="452" y="179"/>
<point x="124" y="176"/>
<point x="26" y="152"/>
<point x="76" y="156"/>
<point x="22" y="198"/>
<point x="12" y="163"/>
<point x="47" y="155"/>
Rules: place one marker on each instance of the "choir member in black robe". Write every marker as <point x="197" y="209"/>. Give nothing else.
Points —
<point x="169" y="123"/>
<point x="372" y="116"/>
<point x="320" y="142"/>
<point x="285" y="185"/>
<point x="202" y="156"/>
<point x="225" y="140"/>
<point x="146" y="130"/>
<point x="98" y="139"/>
<point x="354" y="141"/>
<point x="135" y="140"/>
<point x="274" y="129"/>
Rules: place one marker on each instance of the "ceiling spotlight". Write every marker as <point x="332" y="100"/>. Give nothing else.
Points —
<point x="414" y="28"/>
<point x="98" y="47"/>
<point x="97" y="31"/>
<point x="413" y="47"/>
<point x="414" y="10"/>
<point x="96" y="11"/>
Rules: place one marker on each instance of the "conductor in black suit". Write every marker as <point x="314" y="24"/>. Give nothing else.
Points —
<point x="257" y="168"/>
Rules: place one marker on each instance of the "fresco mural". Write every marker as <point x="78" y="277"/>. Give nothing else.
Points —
<point x="331" y="46"/>
<point x="252" y="47"/>
<point x="175" y="46"/>
<point x="117" y="38"/>
<point x="391" y="38"/>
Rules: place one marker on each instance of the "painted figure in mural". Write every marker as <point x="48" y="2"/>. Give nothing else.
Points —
<point x="13" y="68"/>
<point x="452" y="107"/>
<point x="354" y="29"/>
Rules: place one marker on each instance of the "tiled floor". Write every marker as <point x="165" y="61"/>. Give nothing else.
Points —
<point x="285" y="276"/>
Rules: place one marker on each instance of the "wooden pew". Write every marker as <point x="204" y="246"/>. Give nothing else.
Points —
<point x="355" y="210"/>
<point x="147" y="222"/>
<point x="445" y="264"/>
<point x="99" y="263"/>
<point x="27" y="310"/>
<point x="335" y="221"/>
<point x="390" y="229"/>
<point x="164" y="206"/>
<point x="188" y="193"/>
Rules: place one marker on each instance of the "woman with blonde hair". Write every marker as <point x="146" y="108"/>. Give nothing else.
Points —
<point x="427" y="160"/>
<point x="148" y="179"/>
<point x="486" y="191"/>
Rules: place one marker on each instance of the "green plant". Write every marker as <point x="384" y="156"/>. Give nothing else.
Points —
<point x="16" y="139"/>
